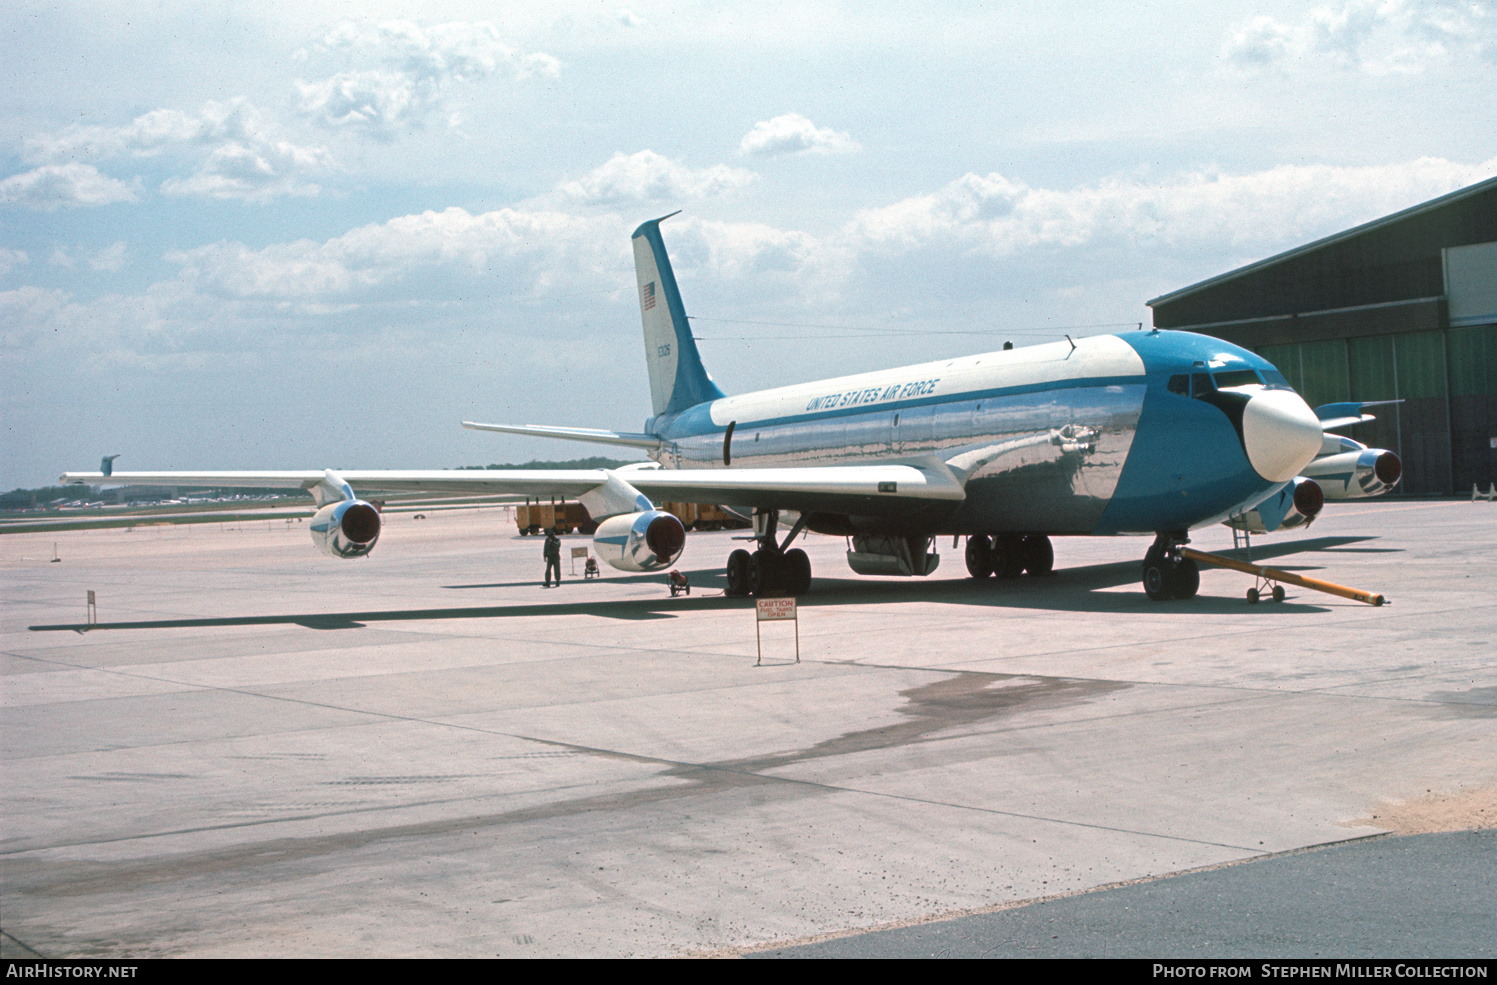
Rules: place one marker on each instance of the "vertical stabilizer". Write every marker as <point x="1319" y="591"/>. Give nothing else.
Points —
<point x="678" y="379"/>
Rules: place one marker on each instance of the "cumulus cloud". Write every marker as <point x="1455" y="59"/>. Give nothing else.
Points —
<point x="541" y="247"/>
<point x="794" y="134"/>
<point x="110" y="258"/>
<point x="976" y="226"/>
<point x="10" y="259"/>
<point x="629" y="18"/>
<point x="748" y="252"/>
<point x="646" y="176"/>
<point x="531" y="248"/>
<point x="242" y="156"/>
<point x="416" y="66"/>
<point x="54" y="186"/>
<point x="27" y="314"/>
<point x="1257" y="212"/>
<point x="160" y="328"/>
<point x="150" y="133"/>
<point x="1379" y="37"/>
<point x="253" y="172"/>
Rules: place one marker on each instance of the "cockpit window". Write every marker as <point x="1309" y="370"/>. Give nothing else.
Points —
<point x="1180" y="384"/>
<point x="1236" y="377"/>
<point x="1200" y="384"/>
<point x="1274" y="378"/>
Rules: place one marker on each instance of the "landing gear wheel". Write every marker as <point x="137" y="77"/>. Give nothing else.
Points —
<point x="980" y="556"/>
<point x="1159" y="580"/>
<point x="756" y="574"/>
<point x="1187" y="579"/>
<point x="738" y="573"/>
<point x="1252" y="596"/>
<point x="1008" y="556"/>
<point x="798" y="571"/>
<point x="766" y="573"/>
<point x="1038" y="555"/>
<point x="1278" y="593"/>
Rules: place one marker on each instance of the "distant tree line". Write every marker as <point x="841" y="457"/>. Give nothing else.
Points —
<point x="596" y="462"/>
<point x="21" y="499"/>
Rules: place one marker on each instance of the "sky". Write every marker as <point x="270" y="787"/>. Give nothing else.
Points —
<point x="321" y="234"/>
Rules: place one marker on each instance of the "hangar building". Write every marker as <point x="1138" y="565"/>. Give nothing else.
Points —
<point x="1402" y="307"/>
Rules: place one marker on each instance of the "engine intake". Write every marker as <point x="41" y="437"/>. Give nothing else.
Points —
<point x="647" y="541"/>
<point x="1296" y="505"/>
<point x="347" y="528"/>
<point x="1309" y="500"/>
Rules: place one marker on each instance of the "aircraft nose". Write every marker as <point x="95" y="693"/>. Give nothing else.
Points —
<point x="1280" y="433"/>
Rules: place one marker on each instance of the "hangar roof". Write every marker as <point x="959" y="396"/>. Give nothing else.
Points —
<point x="1388" y="220"/>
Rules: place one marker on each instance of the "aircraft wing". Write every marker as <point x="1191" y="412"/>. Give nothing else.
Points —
<point x="835" y="488"/>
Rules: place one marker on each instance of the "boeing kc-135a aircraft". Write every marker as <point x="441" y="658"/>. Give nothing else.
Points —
<point x="1142" y="432"/>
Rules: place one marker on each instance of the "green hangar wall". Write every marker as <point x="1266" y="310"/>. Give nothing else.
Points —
<point x="1404" y="307"/>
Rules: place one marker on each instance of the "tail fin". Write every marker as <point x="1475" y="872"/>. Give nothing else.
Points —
<point x="678" y="379"/>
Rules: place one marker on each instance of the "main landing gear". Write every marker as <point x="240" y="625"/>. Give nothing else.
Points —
<point x="770" y="570"/>
<point x="1167" y="575"/>
<point x="1009" y="555"/>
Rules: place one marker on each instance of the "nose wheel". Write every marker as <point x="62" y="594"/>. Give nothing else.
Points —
<point x="1168" y="575"/>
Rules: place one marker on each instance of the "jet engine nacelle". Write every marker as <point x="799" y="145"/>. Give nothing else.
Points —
<point x="347" y="528"/>
<point x="647" y="541"/>
<point x="1293" y="506"/>
<point x="1356" y="473"/>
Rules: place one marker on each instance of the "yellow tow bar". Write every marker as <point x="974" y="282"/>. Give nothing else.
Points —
<point x="1272" y="575"/>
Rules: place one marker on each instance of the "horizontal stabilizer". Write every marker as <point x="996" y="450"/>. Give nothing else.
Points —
<point x="596" y="435"/>
<point x="1347" y="413"/>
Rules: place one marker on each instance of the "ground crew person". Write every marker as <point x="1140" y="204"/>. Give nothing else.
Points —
<point x="552" y="553"/>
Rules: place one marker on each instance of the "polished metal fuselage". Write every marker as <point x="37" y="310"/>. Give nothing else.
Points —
<point x="1038" y="436"/>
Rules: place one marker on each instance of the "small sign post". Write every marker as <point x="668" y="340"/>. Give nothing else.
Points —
<point x="774" y="610"/>
<point x="577" y="552"/>
<point x="93" y="609"/>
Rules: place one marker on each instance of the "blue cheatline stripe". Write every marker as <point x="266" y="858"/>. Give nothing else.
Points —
<point x="691" y="429"/>
<point x="692" y="385"/>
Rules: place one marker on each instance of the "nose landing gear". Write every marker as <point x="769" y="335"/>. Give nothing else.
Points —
<point x="1166" y="573"/>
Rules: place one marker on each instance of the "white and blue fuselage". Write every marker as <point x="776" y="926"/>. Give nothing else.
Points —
<point x="1051" y="439"/>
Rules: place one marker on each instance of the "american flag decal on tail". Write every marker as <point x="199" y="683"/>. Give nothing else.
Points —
<point x="647" y="296"/>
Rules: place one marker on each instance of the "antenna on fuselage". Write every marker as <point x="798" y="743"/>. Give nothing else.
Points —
<point x="1073" y="346"/>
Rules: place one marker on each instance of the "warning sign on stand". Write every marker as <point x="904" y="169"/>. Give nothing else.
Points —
<point x="774" y="610"/>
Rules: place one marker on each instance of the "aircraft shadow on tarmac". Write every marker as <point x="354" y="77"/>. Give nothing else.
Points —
<point x="1080" y="590"/>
